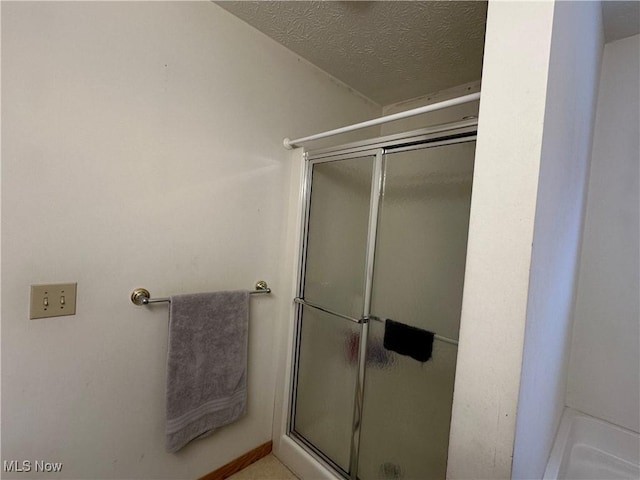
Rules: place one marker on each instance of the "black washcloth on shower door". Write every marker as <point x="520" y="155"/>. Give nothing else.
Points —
<point x="408" y="340"/>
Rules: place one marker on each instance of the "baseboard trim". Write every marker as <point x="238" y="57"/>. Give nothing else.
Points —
<point x="239" y="463"/>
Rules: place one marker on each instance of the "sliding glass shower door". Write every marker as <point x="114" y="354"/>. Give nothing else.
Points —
<point x="419" y="272"/>
<point x="329" y="324"/>
<point x="385" y="239"/>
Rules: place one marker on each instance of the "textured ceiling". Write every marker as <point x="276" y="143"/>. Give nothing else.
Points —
<point x="389" y="51"/>
<point x="392" y="51"/>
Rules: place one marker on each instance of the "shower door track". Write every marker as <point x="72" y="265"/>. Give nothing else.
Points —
<point x="446" y="134"/>
<point x="463" y="128"/>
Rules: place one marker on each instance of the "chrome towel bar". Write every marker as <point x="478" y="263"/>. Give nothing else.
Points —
<point x="141" y="296"/>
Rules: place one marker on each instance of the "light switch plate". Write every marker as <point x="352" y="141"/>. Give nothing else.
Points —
<point x="53" y="300"/>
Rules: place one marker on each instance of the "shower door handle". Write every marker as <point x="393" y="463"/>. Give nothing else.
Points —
<point x="302" y="301"/>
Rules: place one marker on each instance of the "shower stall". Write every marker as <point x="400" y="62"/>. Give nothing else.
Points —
<point x="384" y="237"/>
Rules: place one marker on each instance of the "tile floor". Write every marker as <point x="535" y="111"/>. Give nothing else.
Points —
<point x="267" y="468"/>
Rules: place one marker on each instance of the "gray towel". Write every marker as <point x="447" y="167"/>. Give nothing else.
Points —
<point x="207" y="364"/>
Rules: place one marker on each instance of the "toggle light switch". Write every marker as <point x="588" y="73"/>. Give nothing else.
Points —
<point x="53" y="300"/>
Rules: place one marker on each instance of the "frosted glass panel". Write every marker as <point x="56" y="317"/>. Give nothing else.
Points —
<point x="418" y="279"/>
<point x="327" y="371"/>
<point x="407" y="412"/>
<point x="420" y="253"/>
<point x="422" y="237"/>
<point x="337" y="238"/>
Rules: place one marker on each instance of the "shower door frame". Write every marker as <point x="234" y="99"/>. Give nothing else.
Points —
<point x="440" y="135"/>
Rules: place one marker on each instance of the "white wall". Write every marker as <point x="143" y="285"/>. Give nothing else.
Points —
<point x="576" y="50"/>
<point x="539" y="78"/>
<point x="503" y="204"/>
<point x="605" y="355"/>
<point x="141" y="147"/>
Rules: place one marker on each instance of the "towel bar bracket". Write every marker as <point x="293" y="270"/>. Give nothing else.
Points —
<point x="139" y="295"/>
